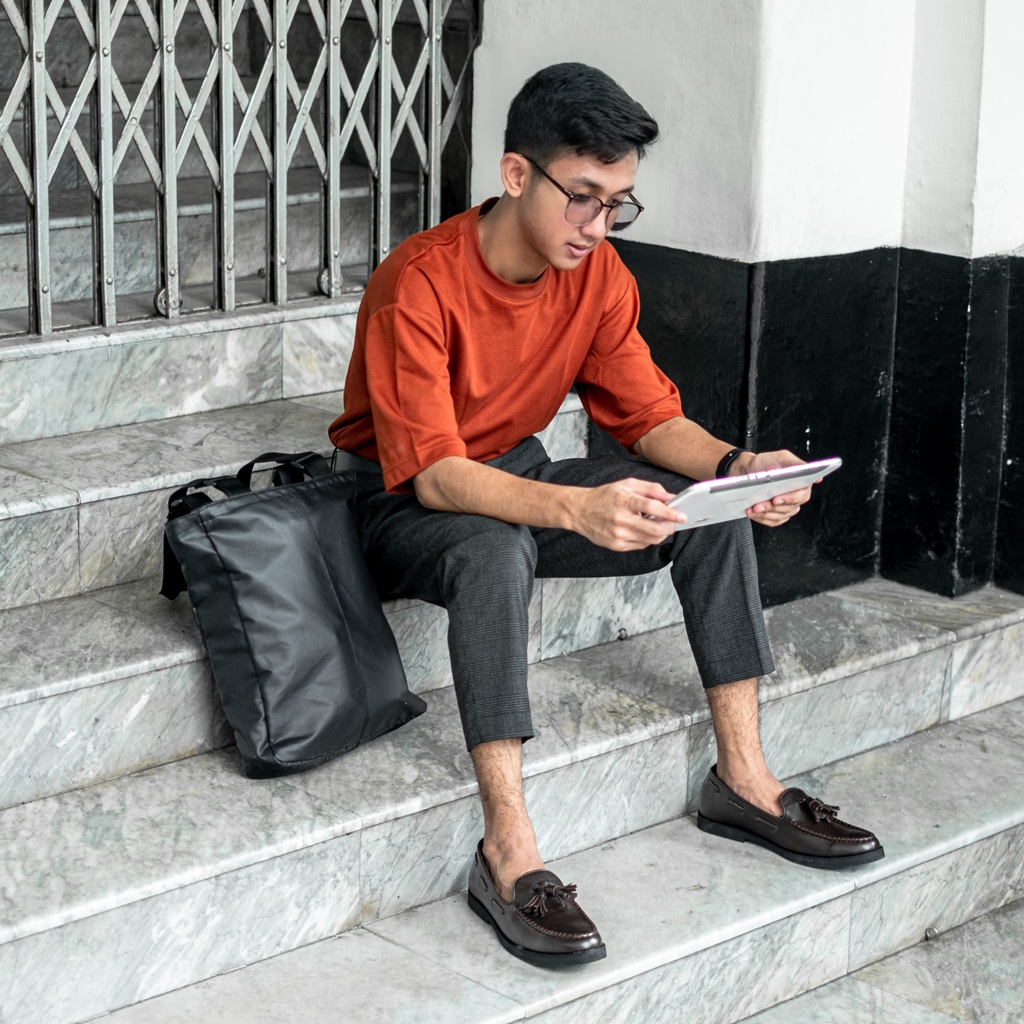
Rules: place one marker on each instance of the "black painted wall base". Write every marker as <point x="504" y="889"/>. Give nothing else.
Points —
<point x="948" y="414"/>
<point x="1009" y="555"/>
<point x="816" y="355"/>
<point x="792" y="354"/>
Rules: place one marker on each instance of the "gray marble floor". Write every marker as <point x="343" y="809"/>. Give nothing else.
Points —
<point x="972" y="973"/>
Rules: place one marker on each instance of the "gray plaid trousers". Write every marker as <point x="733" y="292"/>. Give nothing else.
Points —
<point x="482" y="571"/>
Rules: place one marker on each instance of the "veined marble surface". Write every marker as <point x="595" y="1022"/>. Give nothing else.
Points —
<point x="126" y="840"/>
<point x="848" y="1000"/>
<point x="145" y="380"/>
<point x="185" y="935"/>
<point x="657" y="896"/>
<point x="425" y="763"/>
<point x="86" y="640"/>
<point x="38" y="557"/>
<point x="816" y="641"/>
<point x="821" y="638"/>
<point x="329" y="402"/>
<point x="972" y="973"/>
<point x="723" y="983"/>
<point x="94" y="734"/>
<point x="316" y="354"/>
<point x="826" y="723"/>
<point x="928" y="795"/>
<point x="579" y="613"/>
<point x="895" y="913"/>
<point x="565" y="437"/>
<point x="22" y="494"/>
<point x="142" y="457"/>
<point x="986" y="670"/>
<point x="970" y="615"/>
<point x="388" y="984"/>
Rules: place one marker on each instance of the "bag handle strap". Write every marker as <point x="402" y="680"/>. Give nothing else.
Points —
<point x="181" y="503"/>
<point x="291" y="469"/>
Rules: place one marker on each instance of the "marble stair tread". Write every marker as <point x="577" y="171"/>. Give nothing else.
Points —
<point x="85" y="511"/>
<point x="77" y="854"/>
<point x="689" y="919"/>
<point x="968" y="616"/>
<point x="815" y="641"/>
<point x="117" y="461"/>
<point x="57" y="472"/>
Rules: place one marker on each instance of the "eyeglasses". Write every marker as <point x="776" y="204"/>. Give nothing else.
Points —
<point x="582" y="209"/>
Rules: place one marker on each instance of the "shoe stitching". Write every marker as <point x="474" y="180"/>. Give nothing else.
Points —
<point x="825" y="835"/>
<point x="555" y="934"/>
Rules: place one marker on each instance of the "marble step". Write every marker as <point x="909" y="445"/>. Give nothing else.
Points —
<point x="99" y="685"/>
<point x="141" y="372"/>
<point x="697" y="928"/>
<point x="135" y="231"/>
<point x="160" y="879"/>
<point x="971" y="973"/>
<point x="86" y="511"/>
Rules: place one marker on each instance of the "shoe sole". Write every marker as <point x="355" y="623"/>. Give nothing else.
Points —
<point x="583" y="956"/>
<point x="741" y="835"/>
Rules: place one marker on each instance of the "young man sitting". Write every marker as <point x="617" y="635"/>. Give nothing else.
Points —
<point x="469" y="337"/>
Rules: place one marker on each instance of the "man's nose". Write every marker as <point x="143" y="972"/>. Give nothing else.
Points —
<point x="598" y="227"/>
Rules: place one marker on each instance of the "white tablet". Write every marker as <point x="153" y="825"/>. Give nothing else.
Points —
<point x="717" y="501"/>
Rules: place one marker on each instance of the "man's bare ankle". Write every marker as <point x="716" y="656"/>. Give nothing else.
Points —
<point x="756" y="785"/>
<point x="507" y="861"/>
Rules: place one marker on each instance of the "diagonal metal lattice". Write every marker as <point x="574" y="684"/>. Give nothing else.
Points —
<point x="108" y="102"/>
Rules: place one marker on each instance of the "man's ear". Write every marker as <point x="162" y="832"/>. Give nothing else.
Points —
<point x="515" y="173"/>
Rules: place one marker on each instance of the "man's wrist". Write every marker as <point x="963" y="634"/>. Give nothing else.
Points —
<point x="733" y="463"/>
<point x="743" y="463"/>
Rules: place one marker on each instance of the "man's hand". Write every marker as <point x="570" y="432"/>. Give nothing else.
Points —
<point x="625" y="515"/>
<point x="782" y="507"/>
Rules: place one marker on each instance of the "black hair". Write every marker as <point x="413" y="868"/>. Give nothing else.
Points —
<point x="576" y="107"/>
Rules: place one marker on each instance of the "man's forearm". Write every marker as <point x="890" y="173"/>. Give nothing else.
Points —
<point x="461" y="485"/>
<point x="685" y="447"/>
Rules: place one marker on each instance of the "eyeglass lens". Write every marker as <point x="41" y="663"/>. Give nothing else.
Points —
<point x="583" y="209"/>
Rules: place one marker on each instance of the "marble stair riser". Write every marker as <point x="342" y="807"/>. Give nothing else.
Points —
<point x="97" y="544"/>
<point x="196" y="931"/>
<point x="145" y="375"/>
<point x="135" y="248"/>
<point x="816" y="726"/>
<point x="77" y="739"/>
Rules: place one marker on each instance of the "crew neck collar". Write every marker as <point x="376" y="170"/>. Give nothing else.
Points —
<point x="483" y="273"/>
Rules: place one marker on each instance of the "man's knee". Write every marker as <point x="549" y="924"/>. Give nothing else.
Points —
<point x="496" y="554"/>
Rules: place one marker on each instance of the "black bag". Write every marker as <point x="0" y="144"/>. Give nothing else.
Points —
<point x="305" y="662"/>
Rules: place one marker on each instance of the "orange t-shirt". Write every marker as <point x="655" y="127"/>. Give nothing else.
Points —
<point x="450" y="359"/>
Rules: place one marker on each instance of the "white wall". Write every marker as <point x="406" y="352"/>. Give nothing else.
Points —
<point x="938" y="211"/>
<point x="834" y="99"/>
<point x="999" y="184"/>
<point x="691" y="63"/>
<point x="794" y="128"/>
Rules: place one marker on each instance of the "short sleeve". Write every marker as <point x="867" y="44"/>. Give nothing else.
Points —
<point x="409" y="385"/>
<point x="621" y="388"/>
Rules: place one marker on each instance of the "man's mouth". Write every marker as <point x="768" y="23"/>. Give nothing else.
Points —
<point x="579" y="251"/>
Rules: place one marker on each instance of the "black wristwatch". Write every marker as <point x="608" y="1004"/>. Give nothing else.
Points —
<point x="727" y="460"/>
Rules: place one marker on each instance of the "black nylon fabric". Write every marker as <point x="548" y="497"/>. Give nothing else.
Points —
<point x="305" y="662"/>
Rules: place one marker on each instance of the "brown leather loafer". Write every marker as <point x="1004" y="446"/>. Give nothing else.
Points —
<point x="808" y="831"/>
<point x="542" y="924"/>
